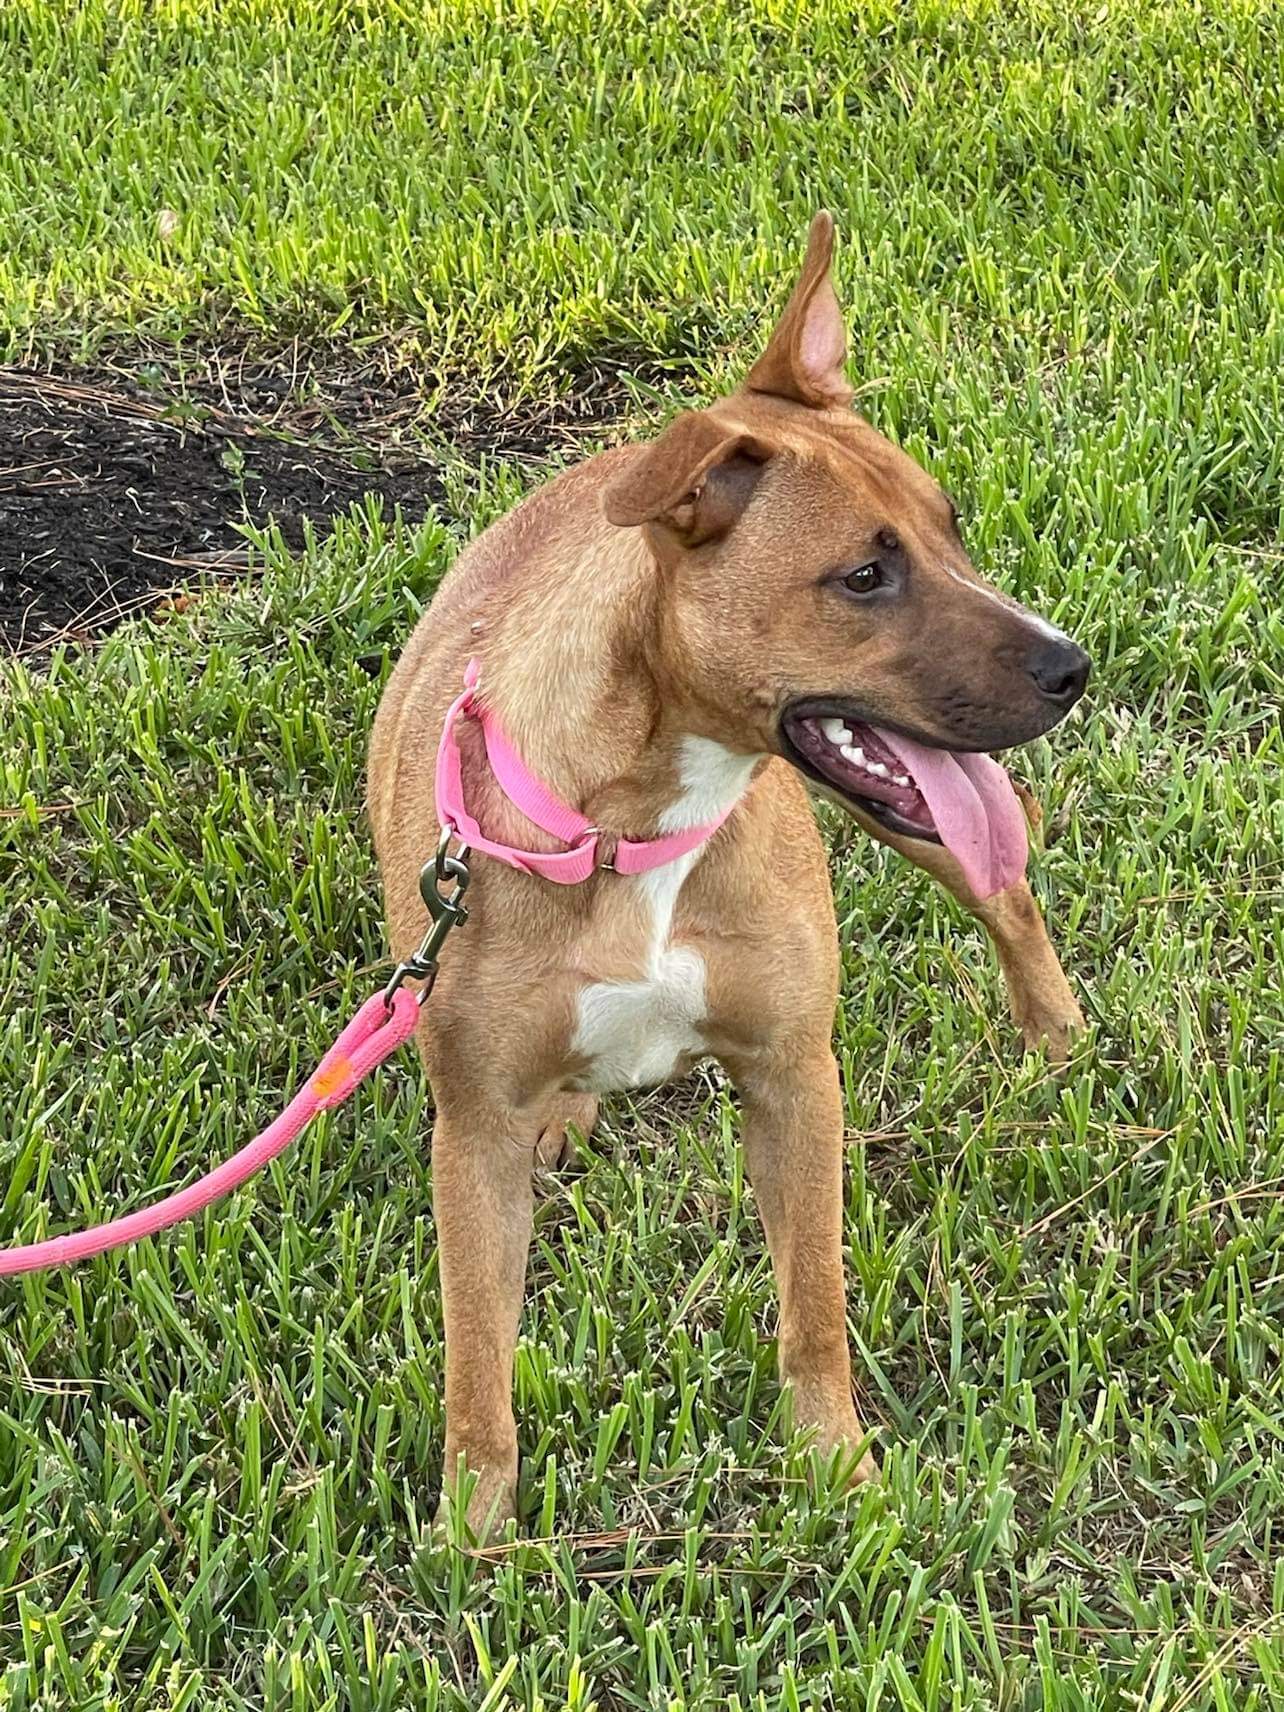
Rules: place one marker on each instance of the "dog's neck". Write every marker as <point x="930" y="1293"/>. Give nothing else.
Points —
<point x="576" y="674"/>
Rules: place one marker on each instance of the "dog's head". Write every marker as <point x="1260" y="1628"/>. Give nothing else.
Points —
<point x="820" y="602"/>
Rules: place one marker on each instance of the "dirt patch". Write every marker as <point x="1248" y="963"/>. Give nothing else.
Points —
<point x="112" y="493"/>
<point x="121" y="483"/>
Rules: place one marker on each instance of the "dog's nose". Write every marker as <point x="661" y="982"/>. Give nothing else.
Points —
<point x="1060" y="669"/>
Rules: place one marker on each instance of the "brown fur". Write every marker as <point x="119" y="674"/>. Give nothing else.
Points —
<point x="649" y="596"/>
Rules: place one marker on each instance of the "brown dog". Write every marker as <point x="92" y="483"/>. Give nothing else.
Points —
<point x="769" y="590"/>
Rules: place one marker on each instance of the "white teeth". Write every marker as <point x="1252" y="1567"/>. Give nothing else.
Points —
<point x="840" y="736"/>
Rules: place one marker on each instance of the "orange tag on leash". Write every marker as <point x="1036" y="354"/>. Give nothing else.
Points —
<point x="327" y="1083"/>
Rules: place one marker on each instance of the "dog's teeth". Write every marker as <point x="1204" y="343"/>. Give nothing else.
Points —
<point x="855" y="755"/>
<point x="835" y="731"/>
<point x="877" y="769"/>
<point x="901" y="779"/>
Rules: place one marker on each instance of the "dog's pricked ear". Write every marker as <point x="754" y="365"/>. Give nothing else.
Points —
<point x="804" y="358"/>
<point x="695" y="479"/>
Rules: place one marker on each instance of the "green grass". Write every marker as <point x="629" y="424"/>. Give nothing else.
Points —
<point x="219" y="1452"/>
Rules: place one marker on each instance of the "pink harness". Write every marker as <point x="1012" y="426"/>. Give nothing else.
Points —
<point x="388" y="1019"/>
<point x="541" y="807"/>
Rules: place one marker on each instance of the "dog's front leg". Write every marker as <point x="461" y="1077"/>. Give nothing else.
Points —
<point x="1039" y="997"/>
<point x="793" y="1140"/>
<point x="481" y="1188"/>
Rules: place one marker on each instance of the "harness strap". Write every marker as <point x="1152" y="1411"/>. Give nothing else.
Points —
<point x="533" y="799"/>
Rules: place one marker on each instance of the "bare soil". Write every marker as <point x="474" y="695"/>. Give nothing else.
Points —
<point x="127" y="481"/>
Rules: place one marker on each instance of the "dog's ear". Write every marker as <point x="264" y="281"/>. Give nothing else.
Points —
<point x="804" y="358"/>
<point x="695" y="479"/>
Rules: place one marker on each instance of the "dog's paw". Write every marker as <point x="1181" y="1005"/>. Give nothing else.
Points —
<point x="1052" y="1031"/>
<point x="841" y="1454"/>
<point x="842" y="1466"/>
<point x="554" y="1144"/>
<point x="476" y="1508"/>
<point x="866" y="1471"/>
<point x="848" y="1470"/>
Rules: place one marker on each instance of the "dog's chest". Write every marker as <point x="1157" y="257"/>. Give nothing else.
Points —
<point x="637" y="1032"/>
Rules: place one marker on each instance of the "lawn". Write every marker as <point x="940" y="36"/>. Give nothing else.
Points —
<point x="1063" y="257"/>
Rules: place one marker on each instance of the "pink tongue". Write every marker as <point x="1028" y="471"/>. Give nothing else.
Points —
<point x="977" y="814"/>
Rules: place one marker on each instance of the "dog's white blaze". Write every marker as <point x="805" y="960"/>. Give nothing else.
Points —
<point x="1036" y="623"/>
<point x="634" y="1033"/>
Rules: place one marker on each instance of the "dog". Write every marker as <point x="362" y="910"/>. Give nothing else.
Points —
<point x="769" y="596"/>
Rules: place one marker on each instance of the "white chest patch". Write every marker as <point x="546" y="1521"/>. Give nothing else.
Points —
<point x="635" y="1033"/>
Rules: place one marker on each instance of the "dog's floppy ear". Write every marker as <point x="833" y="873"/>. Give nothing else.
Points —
<point x="804" y="358"/>
<point x="695" y="479"/>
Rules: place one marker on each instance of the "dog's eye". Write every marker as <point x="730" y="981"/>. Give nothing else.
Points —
<point x="865" y="579"/>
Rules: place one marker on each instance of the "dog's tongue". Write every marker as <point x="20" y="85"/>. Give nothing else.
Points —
<point x="976" y="811"/>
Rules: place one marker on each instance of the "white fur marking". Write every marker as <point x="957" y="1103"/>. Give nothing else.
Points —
<point x="635" y="1032"/>
<point x="1012" y="606"/>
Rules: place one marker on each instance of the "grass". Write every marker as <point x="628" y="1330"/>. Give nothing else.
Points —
<point x="221" y="1450"/>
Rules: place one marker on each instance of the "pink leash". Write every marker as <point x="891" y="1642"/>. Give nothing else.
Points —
<point x="373" y="1033"/>
<point x="388" y="1019"/>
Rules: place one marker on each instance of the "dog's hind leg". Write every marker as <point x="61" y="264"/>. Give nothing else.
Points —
<point x="1039" y="997"/>
<point x="554" y="1142"/>
<point x="793" y="1141"/>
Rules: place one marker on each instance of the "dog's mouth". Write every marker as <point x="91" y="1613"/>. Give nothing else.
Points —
<point x="964" y="801"/>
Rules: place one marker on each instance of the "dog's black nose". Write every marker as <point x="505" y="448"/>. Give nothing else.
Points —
<point x="1060" y="669"/>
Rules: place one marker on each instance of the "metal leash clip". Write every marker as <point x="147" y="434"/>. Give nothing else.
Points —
<point x="446" y="912"/>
